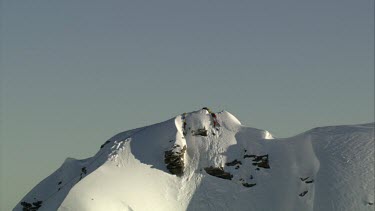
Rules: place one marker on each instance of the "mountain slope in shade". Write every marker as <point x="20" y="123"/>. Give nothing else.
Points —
<point x="209" y="161"/>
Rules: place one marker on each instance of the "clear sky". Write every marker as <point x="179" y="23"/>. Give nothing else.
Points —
<point x="75" y="73"/>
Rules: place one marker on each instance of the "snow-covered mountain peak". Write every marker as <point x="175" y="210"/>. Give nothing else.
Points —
<point x="204" y="160"/>
<point x="206" y="118"/>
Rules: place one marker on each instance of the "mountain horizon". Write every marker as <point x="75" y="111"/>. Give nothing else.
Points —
<point x="204" y="160"/>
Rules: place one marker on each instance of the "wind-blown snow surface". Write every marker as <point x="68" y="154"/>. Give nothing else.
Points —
<point x="328" y="168"/>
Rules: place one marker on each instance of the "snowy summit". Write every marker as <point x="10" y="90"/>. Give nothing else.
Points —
<point x="210" y="161"/>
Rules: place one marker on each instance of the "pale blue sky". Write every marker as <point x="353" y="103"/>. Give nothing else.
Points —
<point x="74" y="73"/>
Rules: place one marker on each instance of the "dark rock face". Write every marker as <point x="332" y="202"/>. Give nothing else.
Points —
<point x="259" y="161"/>
<point x="309" y="181"/>
<point x="263" y="164"/>
<point x="249" y="156"/>
<point x="303" y="193"/>
<point x="260" y="158"/>
<point x="248" y="185"/>
<point x="200" y="132"/>
<point x="304" y="179"/>
<point x="174" y="159"/>
<point x="233" y="163"/>
<point x="31" y="206"/>
<point x="104" y="144"/>
<point x="83" y="172"/>
<point x="218" y="172"/>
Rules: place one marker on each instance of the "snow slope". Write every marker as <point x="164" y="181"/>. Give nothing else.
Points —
<point x="223" y="165"/>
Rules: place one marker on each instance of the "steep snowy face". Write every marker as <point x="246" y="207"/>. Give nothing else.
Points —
<point x="209" y="161"/>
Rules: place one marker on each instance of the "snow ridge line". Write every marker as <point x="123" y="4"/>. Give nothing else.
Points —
<point x="93" y="161"/>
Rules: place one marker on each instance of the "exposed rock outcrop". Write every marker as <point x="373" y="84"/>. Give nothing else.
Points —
<point x="26" y="206"/>
<point x="218" y="172"/>
<point x="303" y="193"/>
<point x="174" y="159"/>
<point x="200" y="132"/>
<point x="248" y="185"/>
<point x="105" y="143"/>
<point x="259" y="161"/>
<point x="233" y="163"/>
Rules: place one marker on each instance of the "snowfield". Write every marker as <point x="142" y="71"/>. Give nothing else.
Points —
<point x="209" y="161"/>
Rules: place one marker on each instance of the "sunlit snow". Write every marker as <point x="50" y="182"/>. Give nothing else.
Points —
<point x="226" y="166"/>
